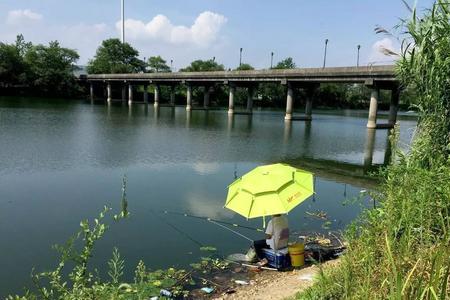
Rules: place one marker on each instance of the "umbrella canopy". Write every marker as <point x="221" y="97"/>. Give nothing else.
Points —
<point x="269" y="190"/>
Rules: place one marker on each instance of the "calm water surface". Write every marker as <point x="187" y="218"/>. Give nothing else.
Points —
<point x="61" y="162"/>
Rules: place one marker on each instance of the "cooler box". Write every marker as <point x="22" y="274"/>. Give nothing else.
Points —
<point x="279" y="259"/>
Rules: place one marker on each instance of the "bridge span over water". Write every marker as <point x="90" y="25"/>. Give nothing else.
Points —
<point x="374" y="77"/>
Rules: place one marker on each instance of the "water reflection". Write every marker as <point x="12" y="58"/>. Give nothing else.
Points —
<point x="169" y="166"/>
<point x="230" y="123"/>
<point x="155" y="114"/>
<point x="188" y="118"/>
<point x="369" y="148"/>
<point x="388" y="151"/>
<point x="287" y="132"/>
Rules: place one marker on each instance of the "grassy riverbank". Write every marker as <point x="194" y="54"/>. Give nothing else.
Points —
<point x="401" y="249"/>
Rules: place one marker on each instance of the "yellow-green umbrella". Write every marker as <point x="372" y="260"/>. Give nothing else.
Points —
<point x="269" y="190"/>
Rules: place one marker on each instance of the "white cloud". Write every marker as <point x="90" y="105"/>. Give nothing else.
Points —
<point x="22" y="16"/>
<point x="203" y="168"/>
<point x="203" y="32"/>
<point x="202" y="39"/>
<point x="204" y="205"/>
<point x="377" y="54"/>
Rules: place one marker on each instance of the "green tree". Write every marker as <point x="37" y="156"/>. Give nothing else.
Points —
<point x="13" y="69"/>
<point x="244" y="67"/>
<point x="287" y="63"/>
<point x="113" y="56"/>
<point x="274" y="93"/>
<point x="158" y="64"/>
<point x="203" y="66"/>
<point x="51" y="69"/>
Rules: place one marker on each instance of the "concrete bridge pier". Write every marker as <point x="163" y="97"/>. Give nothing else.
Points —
<point x="172" y="95"/>
<point x="250" y="95"/>
<point x="393" y="109"/>
<point x="109" y="92"/>
<point x="189" y="98"/>
<point x="156" y="96"/>
<point x="145" y="93"/>
<point x="206" y="97"/>
<point x="373" y="110"/>
<point x="289" y="103"/>
<point x="91" y="92"/>
<point x="232" y="91"/>
<point x="130" y="94"/>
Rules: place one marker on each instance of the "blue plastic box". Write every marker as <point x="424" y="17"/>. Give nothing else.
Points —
<point x="279" y="259"/>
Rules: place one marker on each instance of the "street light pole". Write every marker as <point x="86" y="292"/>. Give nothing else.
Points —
<point x="171" y="65"/>
<point x="357" y="59"/>
<point x="123" y="19"/>
<point x="271" y="60"/>
<point x="240" y="57"/>
<point x="325" y="54"/>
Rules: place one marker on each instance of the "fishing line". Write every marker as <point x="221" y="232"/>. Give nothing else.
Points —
<point x="180" y="231"/>
<point x="235" y="232"/>
<point x="210" y="219"/>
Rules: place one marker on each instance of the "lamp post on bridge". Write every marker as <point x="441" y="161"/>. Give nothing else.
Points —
<point x="357" y="58"/>
<point x="171" y="65"/>
<point x="325" y="53"/>
<point x="271" y="60"/>
<point x="240" y="57"/>
<point x="123" y="20"/>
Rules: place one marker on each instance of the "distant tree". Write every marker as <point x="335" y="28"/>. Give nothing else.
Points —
<point x="113" y="56"/>
<point x="287" y="63"/>
<point x="13" y="69"/>
<point x="22" y="46"/>
<point x="203" y="66"/>
<point x="244" y="67"/>
<point x="51" y="69"/>
<point x="274" y="93"/>
<point x="158" y="64"/>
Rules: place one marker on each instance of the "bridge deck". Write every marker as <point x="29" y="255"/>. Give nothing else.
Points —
<point x="367" y="75"/>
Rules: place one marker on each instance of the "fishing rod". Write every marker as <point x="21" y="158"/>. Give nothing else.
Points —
<point x="212" y="220"/>
<point x="219" y="223"/>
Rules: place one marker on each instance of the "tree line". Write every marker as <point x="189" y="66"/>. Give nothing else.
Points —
<point x="44" y="69"/>
<point x="49" y="70"/>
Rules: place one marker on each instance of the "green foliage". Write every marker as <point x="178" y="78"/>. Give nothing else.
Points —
<point x="48" y="70"/>
<point x="113" y="56"/>
<point x="244" y="67"/>
<point x="116" y="265"/>
<point x="124" y="213"/>
<point x="287" y="63"/>
<point x="210" y="263"/>
<point x="274" y="94"/>
<point x="203" y="66"/>
<point x="400" y="250"/>
<point x="13" y="69"/>
<point x="158" y="64"/>
<point x="82" y="284"/>
<point x="51" y="68"/>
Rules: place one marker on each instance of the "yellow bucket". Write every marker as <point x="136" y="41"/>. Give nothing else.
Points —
<point x="297" y="254"/>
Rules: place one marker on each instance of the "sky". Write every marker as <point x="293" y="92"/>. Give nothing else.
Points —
<point x="186" y="30"/>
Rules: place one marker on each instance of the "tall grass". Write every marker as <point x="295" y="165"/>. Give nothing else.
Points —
<point x="401" y="250"/>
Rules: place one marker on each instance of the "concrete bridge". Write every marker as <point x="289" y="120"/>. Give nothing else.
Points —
<point x="375" y="77"/>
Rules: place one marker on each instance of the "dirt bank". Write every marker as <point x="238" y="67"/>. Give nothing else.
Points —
<point x="275" y="285"/>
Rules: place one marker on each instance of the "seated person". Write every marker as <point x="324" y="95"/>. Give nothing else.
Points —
<point x="277" y="235"/>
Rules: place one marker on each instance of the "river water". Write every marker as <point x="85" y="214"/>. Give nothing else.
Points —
<point x="62" y="161"/>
